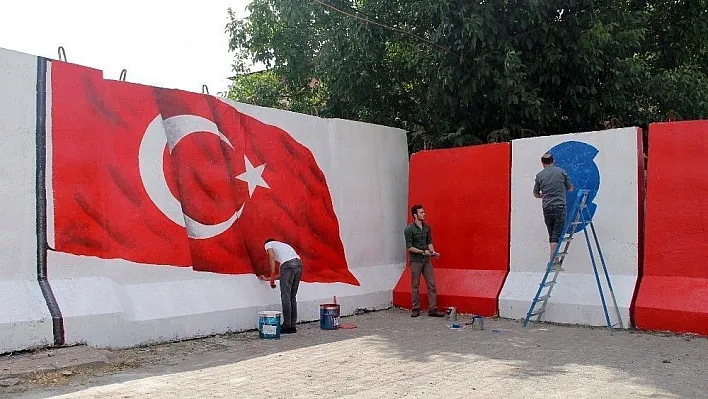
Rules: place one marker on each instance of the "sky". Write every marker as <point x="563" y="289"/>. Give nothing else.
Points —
<point x="161" y="43"/>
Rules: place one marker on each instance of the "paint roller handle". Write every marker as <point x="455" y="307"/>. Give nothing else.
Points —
<point x="270" y="279"/>
<point x="274" y="277"/>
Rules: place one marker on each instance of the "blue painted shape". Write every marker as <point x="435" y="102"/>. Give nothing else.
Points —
<point x="578" y="159"/>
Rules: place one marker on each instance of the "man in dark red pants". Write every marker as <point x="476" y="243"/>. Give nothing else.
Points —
<point x="419" y="244"/>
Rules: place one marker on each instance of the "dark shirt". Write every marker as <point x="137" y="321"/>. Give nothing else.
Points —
<point x="417" y="238"/>
<point x="551" y="183"/>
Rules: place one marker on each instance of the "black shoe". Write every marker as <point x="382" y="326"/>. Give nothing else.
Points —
<point x="415" y="313"/>
<point x="435" y="313"/>
<point x="288" y="330"/>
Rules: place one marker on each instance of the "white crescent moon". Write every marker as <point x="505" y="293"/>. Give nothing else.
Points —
<point x="152" y="171"/>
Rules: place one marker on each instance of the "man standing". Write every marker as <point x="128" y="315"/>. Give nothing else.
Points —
<point x="550" y="185"/>
<point x="290" y="274"/>
<point x="419" y="244"/>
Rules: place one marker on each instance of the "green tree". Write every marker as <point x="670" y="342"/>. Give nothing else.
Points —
<point x="454" y="72"/>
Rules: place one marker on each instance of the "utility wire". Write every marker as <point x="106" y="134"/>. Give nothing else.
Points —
<point x="322" y="3"/>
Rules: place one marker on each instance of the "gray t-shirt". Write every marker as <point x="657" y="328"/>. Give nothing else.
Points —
<point x="552" y="182"/>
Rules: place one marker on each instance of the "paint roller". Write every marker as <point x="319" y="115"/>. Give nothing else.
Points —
<point x="271" y="280"/>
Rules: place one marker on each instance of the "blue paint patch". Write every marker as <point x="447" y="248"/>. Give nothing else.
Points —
<point x="578" y="159"/>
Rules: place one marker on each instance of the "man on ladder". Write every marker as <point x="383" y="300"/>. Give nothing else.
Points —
<point x="550" y="185"/>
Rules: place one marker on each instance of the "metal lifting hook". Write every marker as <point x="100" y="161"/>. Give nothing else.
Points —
<point x="62" y="54"/>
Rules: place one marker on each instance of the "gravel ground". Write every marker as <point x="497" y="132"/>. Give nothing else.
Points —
<point x="388" y="355"/>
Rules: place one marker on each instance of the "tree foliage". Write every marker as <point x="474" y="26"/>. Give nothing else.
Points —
<point x="455" y="72"/>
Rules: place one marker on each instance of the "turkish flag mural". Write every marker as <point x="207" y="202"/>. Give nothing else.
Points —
<point x="167" y="177"/>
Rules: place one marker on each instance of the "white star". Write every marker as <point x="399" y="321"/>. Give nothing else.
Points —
<point x="253" y="176"/>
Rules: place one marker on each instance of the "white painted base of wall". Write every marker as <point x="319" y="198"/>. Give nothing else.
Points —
<point x="24" y="320"/>
<point x="170" y="303"/>
<point x="575" y="298"/>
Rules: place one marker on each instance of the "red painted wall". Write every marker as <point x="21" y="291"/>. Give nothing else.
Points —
<point x="466" y="195"/>
<point x="673" y="292"/>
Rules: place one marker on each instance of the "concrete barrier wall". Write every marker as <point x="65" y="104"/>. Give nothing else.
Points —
<point x="465" y="192"/>
<point x="345" y="193"/>
<point x="24" y="319"/>
<point x="673" y="293"/>
<point x="607" y="161"/>
<point x="108" y="300"/>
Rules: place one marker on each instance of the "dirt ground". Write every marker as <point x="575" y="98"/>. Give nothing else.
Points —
<point x="388" y="355"/>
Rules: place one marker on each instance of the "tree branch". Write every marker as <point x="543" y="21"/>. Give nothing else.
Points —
<point x="367" y="20"/>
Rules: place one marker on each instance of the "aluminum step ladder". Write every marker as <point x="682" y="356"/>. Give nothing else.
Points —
<point x="580" y="217"/>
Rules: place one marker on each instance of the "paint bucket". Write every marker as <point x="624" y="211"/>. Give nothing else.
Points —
<point x="269" y="324"/>
<point x="329" y="316"/>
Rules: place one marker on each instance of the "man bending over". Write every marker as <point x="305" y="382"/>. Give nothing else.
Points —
<point x="290" y="274"/>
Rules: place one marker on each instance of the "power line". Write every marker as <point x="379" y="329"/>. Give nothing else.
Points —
<point x="367" y="20"/>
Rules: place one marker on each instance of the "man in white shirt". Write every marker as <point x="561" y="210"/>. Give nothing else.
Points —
<point x="290" y="274"/>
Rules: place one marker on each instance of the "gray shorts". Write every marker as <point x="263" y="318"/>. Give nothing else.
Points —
<point x="555" y="221"/>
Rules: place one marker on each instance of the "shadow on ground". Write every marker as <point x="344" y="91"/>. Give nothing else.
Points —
<point x="674" y="365"/>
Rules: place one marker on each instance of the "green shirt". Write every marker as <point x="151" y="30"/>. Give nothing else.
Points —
<point x="418" y="238"/>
